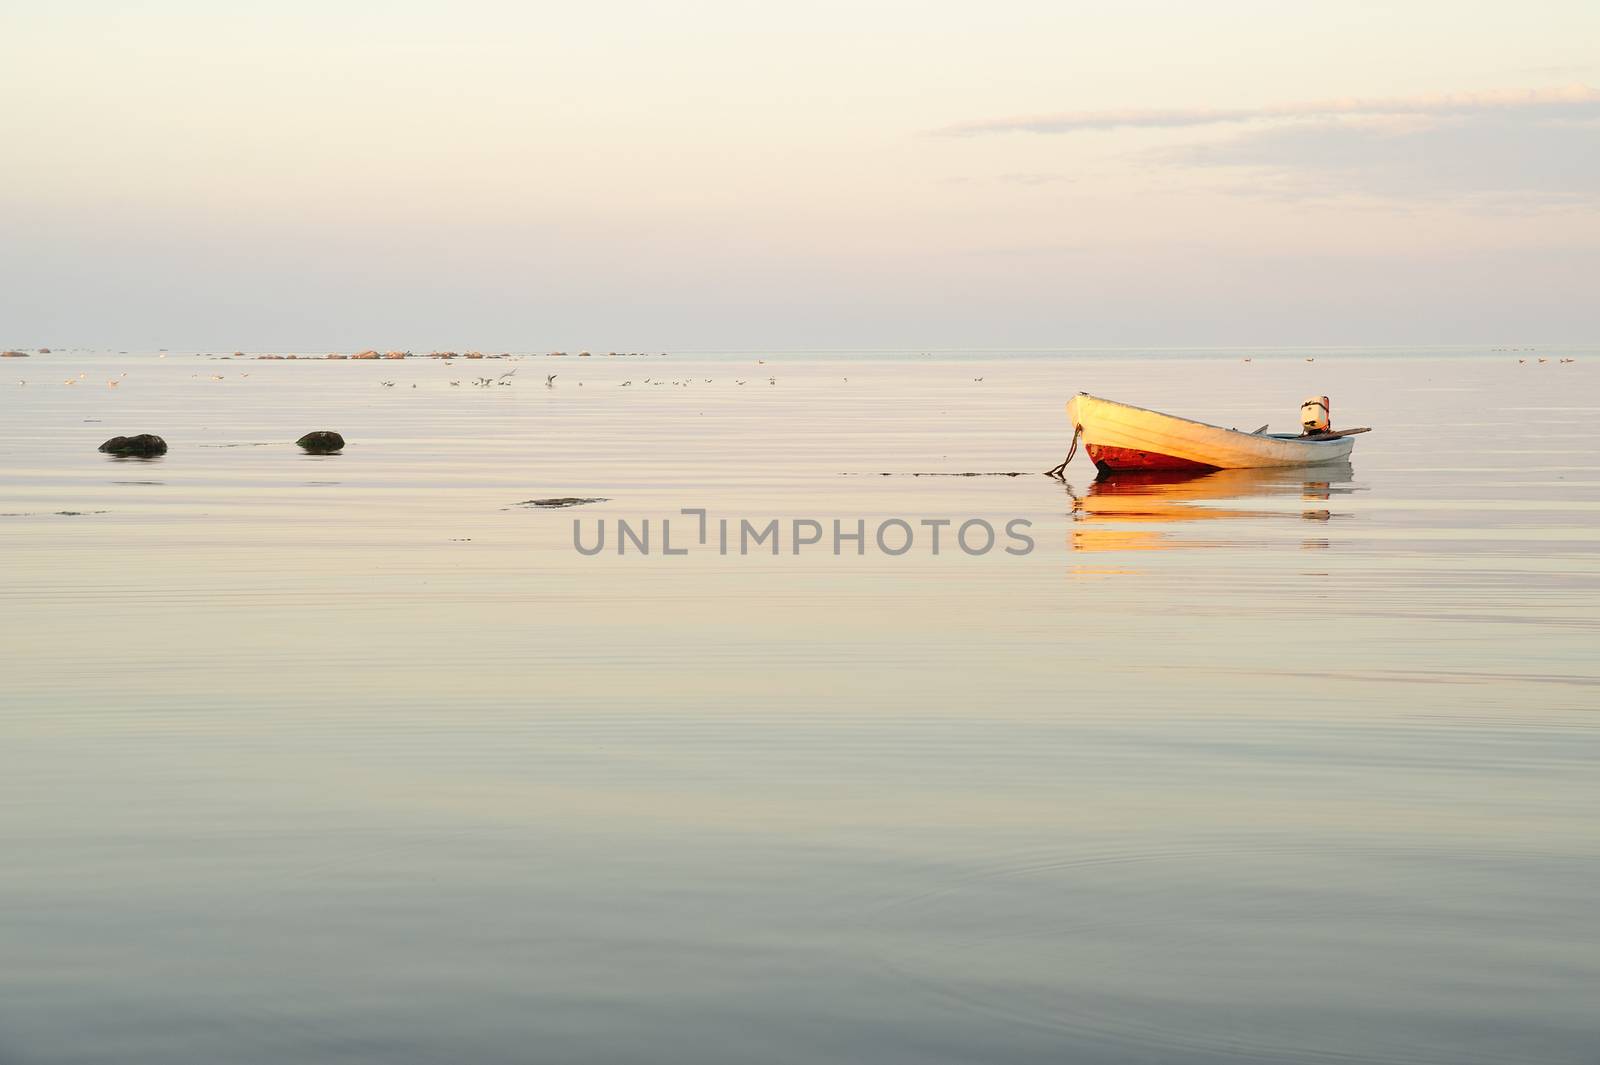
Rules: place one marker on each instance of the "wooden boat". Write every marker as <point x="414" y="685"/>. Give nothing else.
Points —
<point x="1122" y="437"/>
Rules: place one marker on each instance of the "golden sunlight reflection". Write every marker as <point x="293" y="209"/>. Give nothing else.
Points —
<point x="1116" y="513"/>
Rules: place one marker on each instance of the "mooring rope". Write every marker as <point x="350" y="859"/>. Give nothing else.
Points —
<point x="1060" y="471"/>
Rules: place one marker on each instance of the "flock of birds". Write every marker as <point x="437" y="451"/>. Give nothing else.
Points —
<point x="504" y="380"/>
<point x="112" y="383"/>
<point x="686" y="382"/>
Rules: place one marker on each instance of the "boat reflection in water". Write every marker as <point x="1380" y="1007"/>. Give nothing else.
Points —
<point x="1150" y="511"/>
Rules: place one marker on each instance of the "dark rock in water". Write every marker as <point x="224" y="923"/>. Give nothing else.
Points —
<point x="321" y="442"/>
<point x="145" y="445"/>
<point x="562" y="501"/>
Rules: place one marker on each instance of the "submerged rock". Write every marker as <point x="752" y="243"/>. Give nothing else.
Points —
<point x="561" y="501"/>
<point x="145" y="445"/>
<point x="321" y="442"/>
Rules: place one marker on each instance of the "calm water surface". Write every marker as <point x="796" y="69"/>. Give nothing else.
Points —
<point x="352" y="759"/>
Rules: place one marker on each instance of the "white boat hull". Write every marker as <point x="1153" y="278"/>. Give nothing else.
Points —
<point x="1122" y="437"/>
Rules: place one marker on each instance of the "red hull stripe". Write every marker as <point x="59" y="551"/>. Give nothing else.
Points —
<point x="1127" y="458"/>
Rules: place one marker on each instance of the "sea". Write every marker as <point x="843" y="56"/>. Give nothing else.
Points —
<point x="856" y="739"/>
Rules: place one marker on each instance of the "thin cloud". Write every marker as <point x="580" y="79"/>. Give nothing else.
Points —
<point x="1570" y="100"/>
<point x="1026" y="178"/>
<point x="1496" y="161"/>
<point x="1035" y="178"/>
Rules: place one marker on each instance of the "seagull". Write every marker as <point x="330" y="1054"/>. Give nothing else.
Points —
<point x="549" y="380"/>
<point x="113" y="383"/>
<point x="455" y="384"/>
<point x="1311" y="360"/>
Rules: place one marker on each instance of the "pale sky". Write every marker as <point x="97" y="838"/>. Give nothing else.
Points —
<point x="632" y="176"/>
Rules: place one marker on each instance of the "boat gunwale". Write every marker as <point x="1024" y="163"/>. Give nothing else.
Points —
<point x="1208" y="425"/>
